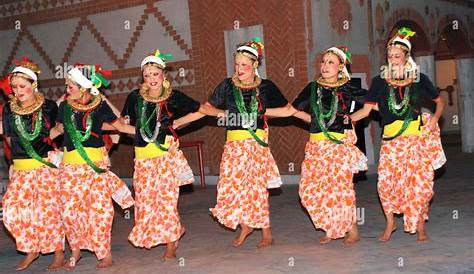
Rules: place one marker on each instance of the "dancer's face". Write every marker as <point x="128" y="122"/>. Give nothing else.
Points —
<point x="244" y="68"/>
<point x="22" y="88"/>
<point x="397" y="59"/>
<point x="153" y="76"/>
<point x="72" y="89"/>
<point x="330" y="65"/>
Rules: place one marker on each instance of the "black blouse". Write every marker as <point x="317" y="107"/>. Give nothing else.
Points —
<point x="177" y="105"/>
<point x="269" y="97"/>
<point x="40" y="145"/>
<point x="421" y="91"/>
<point x="347" y="94"/>
<point x="101" y="114"/>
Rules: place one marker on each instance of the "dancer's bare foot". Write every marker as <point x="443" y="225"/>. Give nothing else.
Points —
<point x="105" y="262"/>
<point x="352" y="236"/>
<point x="265" y="243"/>
<point x="58" y="260"/>
<point x="324" y="239"/>
<point x="25" y="263"/>
<point x="387" y="233"/>
<point x="245" y="230"/>
<point x="73" y="260"/>
<point x="420" y="230"/>
<point x="170" y="252"/>
<point x="267" y="239"/>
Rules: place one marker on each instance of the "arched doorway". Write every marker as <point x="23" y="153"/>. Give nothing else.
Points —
<point x="454" y="65"/>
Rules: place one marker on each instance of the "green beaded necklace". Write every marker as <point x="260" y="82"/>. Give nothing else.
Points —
<point x="76" y="136"/>
<point x="26" y="138"/>
<point x="316" y="107"/>
<point x="253" y="112"/>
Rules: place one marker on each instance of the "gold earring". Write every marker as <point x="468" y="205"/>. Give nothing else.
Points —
<point x="82" y="90"/>
<point x="166" y="84"/>
<point x="34" y="85"/>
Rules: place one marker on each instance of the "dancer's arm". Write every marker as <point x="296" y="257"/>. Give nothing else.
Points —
<point x="57" y="130"/>
<point x="120" y="125"/>
<point x="285" y="111"/>
<point x="187" y="119"/>
<point x="363" y="112"/>
<point x="303" y="116"/>
<point x="210" y="110"/>
<point x="440" y="103"/>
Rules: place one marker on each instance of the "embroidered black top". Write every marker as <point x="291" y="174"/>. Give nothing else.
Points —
<point x="269" y="96"/>
<point x="348" y="97"/>
<point x="420" y="91"/>
<point x="176" y="106"/>
<point x="101" y="114"/>
<point x="40" y="144"/>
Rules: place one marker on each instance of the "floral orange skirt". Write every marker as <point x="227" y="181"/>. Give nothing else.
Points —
<point x="326" y="189"/>
<point x="88" y="211"/>
<point x="242" y="197"/>
<point x="406" y="171"/>
<point x="156" y="184"/>
<point x="32" y="210"/>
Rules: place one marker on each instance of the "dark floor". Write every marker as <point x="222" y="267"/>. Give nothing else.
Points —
<point x="206" y="247"/>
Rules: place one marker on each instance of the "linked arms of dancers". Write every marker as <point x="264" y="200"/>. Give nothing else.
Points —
<point x="208" y="109"/>
<point x="365" y="111"/>
<point x="120" y="124"/>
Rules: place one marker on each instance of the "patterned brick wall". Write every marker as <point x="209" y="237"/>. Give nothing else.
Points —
<point x="283" y="31"/>
<point x="54" y="32"/>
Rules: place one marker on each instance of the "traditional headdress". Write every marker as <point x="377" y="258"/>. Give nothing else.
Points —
<point x="157" y="58"/>
<point x="344" y="55"/>
<point x="24" y="66"/>
<point x="89" y="77"/>
<point x="252" y="49"/>
<point x="402" y="40"/>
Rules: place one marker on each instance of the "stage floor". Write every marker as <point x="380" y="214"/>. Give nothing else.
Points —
<point x="207" y="247"/>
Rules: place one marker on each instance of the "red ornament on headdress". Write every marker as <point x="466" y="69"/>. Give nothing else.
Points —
<point x="5" y="85"/>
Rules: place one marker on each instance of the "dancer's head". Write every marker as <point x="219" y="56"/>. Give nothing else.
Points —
<point x="399" y="53"/>
<point x="153" y="71"/>
<point x="24" y="79"/>
<point x="247" y="59"/>
<point x="85" y="80"/>
<point x="334" y="64"/>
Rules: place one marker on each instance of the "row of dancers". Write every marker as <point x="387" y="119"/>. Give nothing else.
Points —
<point x="56" y="194"/>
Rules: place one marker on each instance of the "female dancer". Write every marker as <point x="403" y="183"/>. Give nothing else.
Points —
<point x="160" y="166"/>
<point x="31" y="206"/>
<point x="411" y="147"/>
<point x="247" y="168"/>
<point x="331" y="158"/>
<point x="87" y="184"/>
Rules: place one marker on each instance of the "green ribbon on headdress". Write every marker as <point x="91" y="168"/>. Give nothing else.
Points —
<point x="97" y="79"/>
<point x="406" y="32"/>
<point x="349" y="55"/>
<point x="164" y="56"/>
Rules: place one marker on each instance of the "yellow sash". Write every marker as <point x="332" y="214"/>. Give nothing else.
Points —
<point x="27" y="164"/>
<point x="151" y="150"/>
<point x="320" y="136"/>
<point x="96" y="154"/>
<point x="412" y="129"/>
<point x="242" y="134"/>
